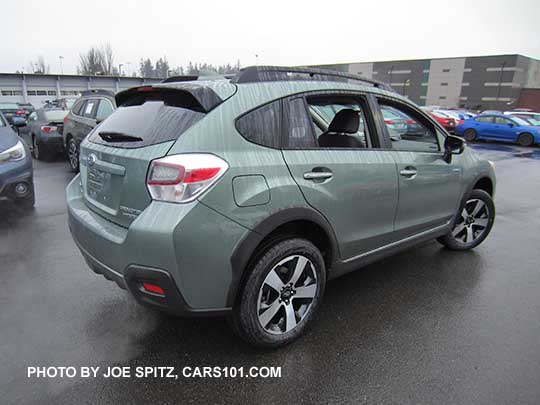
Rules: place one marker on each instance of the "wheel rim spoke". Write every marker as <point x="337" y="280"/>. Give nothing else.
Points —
<point x="477" y="208"/>
<point x="470" y="235"/>
<point x="269" y="313"/>
<point x="481" y="222"/>
<point x="306" y="292"/>
<point x="298" y="270"/>
<point x="274" y="281"/>
<point x="458" y="229"/>
<point x="290" y="318"/>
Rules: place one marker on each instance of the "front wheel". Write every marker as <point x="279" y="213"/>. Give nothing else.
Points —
<point x="473" y="223"/>
<point x="281" y="294"/>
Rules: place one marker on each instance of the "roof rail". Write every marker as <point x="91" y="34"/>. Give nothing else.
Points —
<point x="203" y="75"/>
<point x="102" y="92"/>
<point x="255" y="74"/>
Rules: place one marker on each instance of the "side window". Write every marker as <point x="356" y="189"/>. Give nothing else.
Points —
<point x="502" y="121"/>
<point x="300" y="128"/>
<point x="88" y="110"/>
<point x="486" y="120"/>
<point x="408" y="130"/>
<point x="78" y="107"/>
<point x="339" y="121"/>
<point x="105" y="109"/>
<point x="263" y="125"/>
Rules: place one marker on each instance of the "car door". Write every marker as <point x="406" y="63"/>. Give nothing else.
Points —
<point x="484" y="126"/>
<point x="355" y="188"/>
<point x="504" y="129"/>
<point x="429" y="187"/>
<point x="86" y="120"/>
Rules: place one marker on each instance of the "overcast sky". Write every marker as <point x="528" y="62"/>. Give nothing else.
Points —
<point x="290" y="32"/>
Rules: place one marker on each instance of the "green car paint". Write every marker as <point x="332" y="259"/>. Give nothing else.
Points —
<point x="365" y="208"/>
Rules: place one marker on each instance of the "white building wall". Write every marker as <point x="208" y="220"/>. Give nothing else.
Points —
<point x="444" y="83"/>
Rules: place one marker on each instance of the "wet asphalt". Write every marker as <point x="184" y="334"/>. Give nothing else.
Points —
<point x="425" y="326"/>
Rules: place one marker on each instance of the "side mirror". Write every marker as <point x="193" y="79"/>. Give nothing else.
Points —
<point x="453" y="145"/>
<point x="19" y="122"/>
<point x="510" y="124"/>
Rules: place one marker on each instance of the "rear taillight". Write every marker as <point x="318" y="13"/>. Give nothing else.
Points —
<point x="389" y="122"/>
<point x="410" y="122"/>
<point x="182" y="178"/>
<point x="21" y="112"/>
<point x="48" y="129"/>
<point x="65" y="120"/>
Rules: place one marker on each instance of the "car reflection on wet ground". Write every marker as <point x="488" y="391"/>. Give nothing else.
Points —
<point x="425" y="326"/>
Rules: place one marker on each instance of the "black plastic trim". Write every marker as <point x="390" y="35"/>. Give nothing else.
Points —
<point x="245" y="249"/>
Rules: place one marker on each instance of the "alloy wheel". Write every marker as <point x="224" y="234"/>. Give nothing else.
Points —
<point x="73" y="155"/>
<point x="473" y="222"/>
<point x="286" y="295"/>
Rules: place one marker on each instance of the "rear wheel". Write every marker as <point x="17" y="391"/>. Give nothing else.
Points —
<point x="39" y="151"/>
<point x="473" y="223"/>
<point x="525" y="140"/>
<point x="73" y="155"/>
<point x="470" y="135"/>
<point x="281" y="294"/>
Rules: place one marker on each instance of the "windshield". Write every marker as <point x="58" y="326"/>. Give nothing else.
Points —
<point x="55" y="115"/>
<point x="8" y="106"/>
<point x="2" y="121"/>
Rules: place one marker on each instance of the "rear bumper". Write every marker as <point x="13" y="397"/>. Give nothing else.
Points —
<point x="53" y="143"/>
<point x="166" y="243"/>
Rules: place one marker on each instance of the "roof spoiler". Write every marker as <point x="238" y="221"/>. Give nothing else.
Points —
<point x="205" y="98"/>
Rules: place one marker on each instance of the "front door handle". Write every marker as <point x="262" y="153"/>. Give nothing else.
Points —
<point x="318" y="175"/>
<point x="409" y="172"/>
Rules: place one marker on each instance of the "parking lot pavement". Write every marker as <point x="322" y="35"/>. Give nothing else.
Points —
<point x="425" y="326"/>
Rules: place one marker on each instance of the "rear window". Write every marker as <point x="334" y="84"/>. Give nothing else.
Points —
<point x="8" y="106"/>
<point x="149" y="123"/>
<point x="55" y="115"/>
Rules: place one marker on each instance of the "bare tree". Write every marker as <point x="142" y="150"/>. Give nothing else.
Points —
<point x="39" y="66"/>
<point x="97" y="61"/>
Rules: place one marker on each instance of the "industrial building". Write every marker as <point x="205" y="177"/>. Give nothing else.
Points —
<point x="39" y="88"/>
<point x="498" y="82"/>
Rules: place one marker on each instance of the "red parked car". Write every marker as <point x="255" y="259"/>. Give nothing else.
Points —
<point x="446" y="121"/>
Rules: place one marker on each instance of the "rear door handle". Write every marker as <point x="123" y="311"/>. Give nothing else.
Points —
<point x="409" y="172"/>
<point x="318" y="175"/>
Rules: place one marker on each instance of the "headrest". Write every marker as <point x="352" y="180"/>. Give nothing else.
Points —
<point x="345" y="121"/>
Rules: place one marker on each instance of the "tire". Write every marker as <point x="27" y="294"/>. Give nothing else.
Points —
<point x="525" y="139"/>
<point x="470" y="135"/>
<point x="28" y="202"/>
<point x="73" y="155"/>
<point x="473" y="222"/>
<point x="287" y="269"/>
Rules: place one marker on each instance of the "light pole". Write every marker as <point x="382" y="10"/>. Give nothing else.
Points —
<point x="405" y="83"/>
<point x="120" y="69"/>
<point x="391" y="72"/>
<point x="128" y="72"/>
<point x="61" y="66"/>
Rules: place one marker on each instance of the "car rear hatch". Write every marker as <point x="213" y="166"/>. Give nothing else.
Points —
<point x="115" y="156"/>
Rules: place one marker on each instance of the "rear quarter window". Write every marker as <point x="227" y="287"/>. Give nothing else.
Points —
<point x="262" y="125"/>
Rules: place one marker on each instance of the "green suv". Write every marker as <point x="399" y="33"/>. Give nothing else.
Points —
<point x="242" y="197"/>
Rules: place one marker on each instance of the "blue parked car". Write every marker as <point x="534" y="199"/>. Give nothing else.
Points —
<point x="498" y="127"/>
<point x="16" y="175"/>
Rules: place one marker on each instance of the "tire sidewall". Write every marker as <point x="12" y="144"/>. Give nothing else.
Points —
<point x="529" y="137"/>
<point x="470" y="135"/>
<point x="247" y="308"/>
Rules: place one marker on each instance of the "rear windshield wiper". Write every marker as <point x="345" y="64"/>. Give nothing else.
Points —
<point x="111" y="136"/>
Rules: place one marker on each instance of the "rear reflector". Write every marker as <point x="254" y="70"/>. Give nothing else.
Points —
<point x="153" y="288"/>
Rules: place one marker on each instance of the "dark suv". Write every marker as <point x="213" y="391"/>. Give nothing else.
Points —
<point x="243" y="196"/>
<point x="88" y="111"/>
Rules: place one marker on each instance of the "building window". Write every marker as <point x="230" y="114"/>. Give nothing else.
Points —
<point x="465" y="84"/>
<point x="31" y="92"/>
<point x="41" y="92"/>
<point x="7" y="92"/>
<point x="17" y="92"/>
<point x="446" y="70"/>
<point x="442" y="98"/>
<point x="444" y="84"/>
<point x="51" y="92"/>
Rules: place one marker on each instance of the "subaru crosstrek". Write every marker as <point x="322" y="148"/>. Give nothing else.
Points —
<point x="242" y="197"/>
